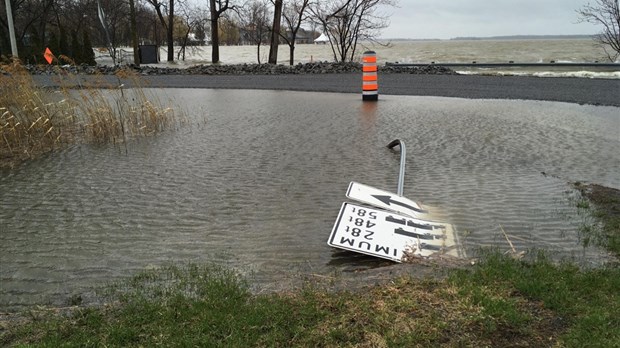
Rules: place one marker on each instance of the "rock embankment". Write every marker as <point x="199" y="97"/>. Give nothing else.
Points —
<point x="235" y="69"/>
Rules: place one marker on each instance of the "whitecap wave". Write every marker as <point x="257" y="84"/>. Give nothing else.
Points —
<point x="582" y="73"/>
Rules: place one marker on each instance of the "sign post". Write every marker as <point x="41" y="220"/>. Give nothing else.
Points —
<point x="9" y="17"/>
<point x="403" y="159"/>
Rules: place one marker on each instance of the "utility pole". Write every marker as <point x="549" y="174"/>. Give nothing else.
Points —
<point x="9" y="16"/>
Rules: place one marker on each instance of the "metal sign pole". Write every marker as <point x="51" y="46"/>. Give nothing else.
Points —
<point x="397" y="230"/>
<point x="403" y="158"/>
<point x="9" y="16"/>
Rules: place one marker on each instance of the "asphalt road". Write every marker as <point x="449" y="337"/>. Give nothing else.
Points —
<point x="571" y="90"/>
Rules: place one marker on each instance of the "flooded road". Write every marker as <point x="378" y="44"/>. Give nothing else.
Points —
<point x="257" y="180"/>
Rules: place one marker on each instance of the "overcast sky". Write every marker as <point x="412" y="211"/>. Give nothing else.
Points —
<point x="444" y="19"/>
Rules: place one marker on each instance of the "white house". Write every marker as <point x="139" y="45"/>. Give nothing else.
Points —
<point x="323" y="39"/>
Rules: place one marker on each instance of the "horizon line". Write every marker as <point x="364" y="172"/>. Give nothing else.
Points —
<point x="517" y="36"/>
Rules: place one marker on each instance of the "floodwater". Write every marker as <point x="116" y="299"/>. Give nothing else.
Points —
<point x="427" y="51"/>
<point x="258" y="178"/>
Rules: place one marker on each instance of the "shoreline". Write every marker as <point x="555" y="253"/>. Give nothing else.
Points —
<point x="589" y="91"/>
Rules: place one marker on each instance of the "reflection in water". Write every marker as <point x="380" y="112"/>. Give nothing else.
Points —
<point x="368" y="114"/>
<point x="258" y="182"/>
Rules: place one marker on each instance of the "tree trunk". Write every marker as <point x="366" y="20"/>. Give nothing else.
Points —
<point x="275" y="33"/>
<point x="215" y="35"/>
<point x="170" y="32"/>
<point x="184" y="43"/>
<point x="134" y="33"/>
<point x="292" y="55"/>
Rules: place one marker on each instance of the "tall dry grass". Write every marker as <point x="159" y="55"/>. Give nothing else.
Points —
<point x="31" y="122"/>
<point x="34" y="121"/>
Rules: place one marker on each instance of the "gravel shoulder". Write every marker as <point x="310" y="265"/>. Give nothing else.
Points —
<point x="570" y="90"/>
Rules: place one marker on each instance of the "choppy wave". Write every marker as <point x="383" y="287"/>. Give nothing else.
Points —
<point x="582" y="73"/>
<point x="425" y="52"/>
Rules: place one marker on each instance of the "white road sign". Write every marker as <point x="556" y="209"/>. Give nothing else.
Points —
<point x="383" y="199"/>
<point x="389" y="235"/>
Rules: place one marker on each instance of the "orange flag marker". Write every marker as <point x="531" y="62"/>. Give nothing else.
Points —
<point x="48" y="55"/>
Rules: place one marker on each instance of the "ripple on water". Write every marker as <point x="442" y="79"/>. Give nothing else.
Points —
<point x="257" y="182"/>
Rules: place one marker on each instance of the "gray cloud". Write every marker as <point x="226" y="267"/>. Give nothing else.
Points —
<point x="450" y="18"/>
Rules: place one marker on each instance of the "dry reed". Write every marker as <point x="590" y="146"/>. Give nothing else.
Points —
<point x="34" y="121"/>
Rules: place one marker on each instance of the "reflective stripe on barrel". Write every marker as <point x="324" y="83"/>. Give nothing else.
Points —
<point x="370" y="86"/>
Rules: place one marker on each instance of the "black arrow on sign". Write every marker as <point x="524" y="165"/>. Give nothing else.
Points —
<point x="388" y="200"/>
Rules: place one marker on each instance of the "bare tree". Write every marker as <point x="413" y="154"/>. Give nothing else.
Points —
<point x="193" y="18"/>
<point x="217" y="8"/>
<point x="134" y="32"/>
<point x="31" y="19"/>
<point x="275" y="32"/>
<point x="607" y="14"/>
<point x="41" y="23"/>
<point x="294" y="14"/>
<point x="150" y="28"/>
<point x="229" y="32"/>
<point x="254" y="23"/>
<point x="168" y="25"/>
<point x="347" y="22"/>
<point x="113" y="16"/>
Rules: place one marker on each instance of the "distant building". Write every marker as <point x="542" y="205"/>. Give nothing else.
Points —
<point x="303" y="36"/>
<point x="322" y="39"/>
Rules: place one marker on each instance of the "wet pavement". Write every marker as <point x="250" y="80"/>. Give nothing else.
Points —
<point x="562" y="89"/>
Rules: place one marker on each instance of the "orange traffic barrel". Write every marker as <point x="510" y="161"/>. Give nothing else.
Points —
<point x="370" y="86"/>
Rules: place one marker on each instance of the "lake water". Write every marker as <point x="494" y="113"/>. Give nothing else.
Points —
<point x="438" y="51"/>
<point x="257" y="181"/>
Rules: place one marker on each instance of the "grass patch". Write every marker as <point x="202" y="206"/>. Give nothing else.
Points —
<point x="499" y="302"/>
<point x="34" y="121"/>
<point x="601" y="207"/>
<point x="586" y="304"/>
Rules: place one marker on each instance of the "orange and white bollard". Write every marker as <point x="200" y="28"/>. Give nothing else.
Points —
<point x="370" y="86"/>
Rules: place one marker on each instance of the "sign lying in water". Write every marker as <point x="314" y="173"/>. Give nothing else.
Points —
<point x="385" y="232"/>
<point x="390" y="235"/>
<point x="383" y="199"/>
